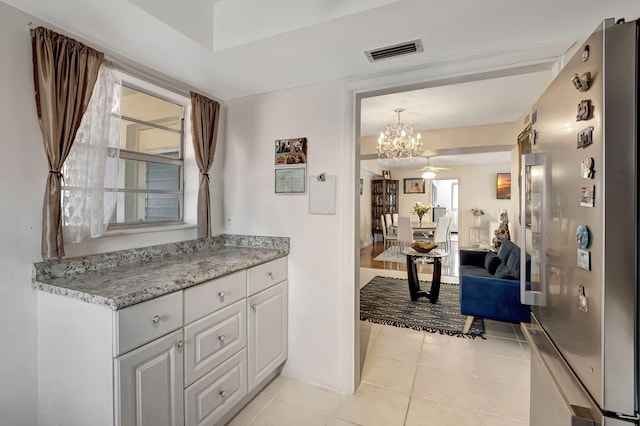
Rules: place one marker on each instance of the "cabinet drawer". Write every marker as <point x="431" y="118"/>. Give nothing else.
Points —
<point x="146" y="321"/>
<point x="214" y="338"/>
<point x="208" y="399"/>
<point x="265" y="275"/>
<point x="205" y="298"/>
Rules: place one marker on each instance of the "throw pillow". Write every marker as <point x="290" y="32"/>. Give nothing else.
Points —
<point x="505" y="250"/>
<point x="513" y="263"/>
<point x="503" y="272"/>
<point x="491" y="262"/>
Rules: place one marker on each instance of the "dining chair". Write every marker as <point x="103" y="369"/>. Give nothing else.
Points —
<point x="448" y="216"/>
<point x="390" y="231"/>
<point x="405" y="233"/>
<point x="395" y="219"/>
<point x="386" y="238"/>
<point x="440" y="234"/>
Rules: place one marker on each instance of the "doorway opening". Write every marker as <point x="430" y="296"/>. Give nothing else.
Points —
<point x="444" y="199"/>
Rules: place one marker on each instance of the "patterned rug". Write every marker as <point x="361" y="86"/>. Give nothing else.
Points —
<point x="386" y="301"/>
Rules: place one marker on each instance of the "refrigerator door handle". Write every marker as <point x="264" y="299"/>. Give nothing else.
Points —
<point x="536" y="294"/>
<point x="551" y="406"/>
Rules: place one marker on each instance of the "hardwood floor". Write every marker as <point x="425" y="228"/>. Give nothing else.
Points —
<point x="449" y="265"/>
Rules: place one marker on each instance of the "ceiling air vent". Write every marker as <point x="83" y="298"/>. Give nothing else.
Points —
<point x="400" y="49"/>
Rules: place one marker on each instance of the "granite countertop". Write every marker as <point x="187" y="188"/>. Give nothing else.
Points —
<point x="120" y="279"/>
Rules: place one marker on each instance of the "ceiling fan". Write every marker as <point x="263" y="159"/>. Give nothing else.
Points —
<point x="429" y="172"/>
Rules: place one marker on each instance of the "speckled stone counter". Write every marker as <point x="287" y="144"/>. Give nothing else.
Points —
<point x="120" y="279"/>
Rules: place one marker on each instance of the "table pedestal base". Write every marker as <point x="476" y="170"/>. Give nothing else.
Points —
<point x="414" y="283"/>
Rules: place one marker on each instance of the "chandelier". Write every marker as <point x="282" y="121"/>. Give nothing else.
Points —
<point x="397" y="140"/>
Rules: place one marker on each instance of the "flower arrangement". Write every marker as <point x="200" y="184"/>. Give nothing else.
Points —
<point x="477" y="211"/>
<point x="420" y="209"/>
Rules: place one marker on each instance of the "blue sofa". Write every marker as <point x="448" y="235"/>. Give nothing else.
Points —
<point x="490" y="284"/>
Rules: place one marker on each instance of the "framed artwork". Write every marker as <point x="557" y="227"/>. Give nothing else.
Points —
<point x="290" y="180"/>
<point x="291" y="152"/>
<point x="503" y="186"/>
<point x="414" y="186"/>
<point x="386" y="174"/>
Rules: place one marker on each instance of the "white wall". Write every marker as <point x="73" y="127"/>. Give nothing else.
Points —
<point x="316" y="352"/>
<point x="23" y="170"/>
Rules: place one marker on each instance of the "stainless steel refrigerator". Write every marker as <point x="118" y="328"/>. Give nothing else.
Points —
<point x="579" y="216"/>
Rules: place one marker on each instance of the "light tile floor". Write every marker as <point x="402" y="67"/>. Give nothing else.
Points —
<point x="412" y="378"/>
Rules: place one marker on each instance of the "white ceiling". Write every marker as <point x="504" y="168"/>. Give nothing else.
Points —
<point x="498" y="53"/>
<point x="474" y="103"/>
<point x="235" y="48"/>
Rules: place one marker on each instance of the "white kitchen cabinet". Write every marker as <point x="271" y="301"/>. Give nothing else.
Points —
<point x="267" y="332"/>
<point x="149" y="384"/>
<point x="193" y="356"/>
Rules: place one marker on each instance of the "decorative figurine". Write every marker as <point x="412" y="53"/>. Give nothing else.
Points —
<point x="502" y="233"/>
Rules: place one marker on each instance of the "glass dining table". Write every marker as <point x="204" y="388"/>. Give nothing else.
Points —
<point x="426" y="228"/>
<point x="416" y="227"/>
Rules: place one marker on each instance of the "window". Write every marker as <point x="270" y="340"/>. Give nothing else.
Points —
<point x="151" y="156"/>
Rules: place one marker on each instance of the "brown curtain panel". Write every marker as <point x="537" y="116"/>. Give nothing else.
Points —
<point x="64" y="73"/>
<point x="204" y="121"/>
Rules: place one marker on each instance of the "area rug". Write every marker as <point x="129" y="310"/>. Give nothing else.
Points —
<point x="392" y="254"/>
<point x="386" y="300"/>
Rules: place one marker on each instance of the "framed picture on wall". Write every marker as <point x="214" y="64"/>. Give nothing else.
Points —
<point x="386" y="174"/>
<point x="414" y="186"/>
<point x="503" y="185"/>
<point x="290" y="180"/>
<point x="291" y="151"/>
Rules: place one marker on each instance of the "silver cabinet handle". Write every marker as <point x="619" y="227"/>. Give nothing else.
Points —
<point x="155" y="319"/>
<point x="253" y="307"/>
<point x="179" y="344"/>
<point x="221" y="338"/>
<point x="221" y="295"/>
<point x="223" y="393"/>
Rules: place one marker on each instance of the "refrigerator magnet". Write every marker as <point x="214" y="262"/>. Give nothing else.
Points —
<point x="584" y="110"/>
<point x="586" y="168"/>
<point x="583" y="301"/>
<point x="583" y="237"/>
<point x="584" y="259"/>
<point x="585" y="137"/>
<point x="581" y="83"/>
<point x="587" y="195"/>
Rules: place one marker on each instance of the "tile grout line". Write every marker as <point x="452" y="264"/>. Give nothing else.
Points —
<point x="413" y="382"/>
<point x="273" y="397"/>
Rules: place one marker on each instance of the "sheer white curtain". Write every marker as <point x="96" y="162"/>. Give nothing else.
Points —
<point x="92" y="164"/>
